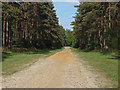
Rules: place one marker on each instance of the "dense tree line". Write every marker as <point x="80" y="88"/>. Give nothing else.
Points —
<point x="97" y="26"/>
<point x="31" y="25"/>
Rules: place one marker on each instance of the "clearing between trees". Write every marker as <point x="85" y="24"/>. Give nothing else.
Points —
<point x="61" y="70"/>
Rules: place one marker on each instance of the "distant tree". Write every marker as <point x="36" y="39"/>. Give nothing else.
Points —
<point x="69" y="38"/>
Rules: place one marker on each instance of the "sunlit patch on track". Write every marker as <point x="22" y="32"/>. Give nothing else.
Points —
<point x="66" y="55"/>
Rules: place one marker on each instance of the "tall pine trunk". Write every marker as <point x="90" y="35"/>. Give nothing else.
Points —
<point x="7" y="27"/>
<point x="109" y="15"/>
<point x="105" y="31"/>
<point x="100" y="38"/>
<point x="3" y="29"/>
<point x="25" y="21"/>
<point x="23" y="30"/>
<point x="9" y="36"/>
<point x="102" y="28"/>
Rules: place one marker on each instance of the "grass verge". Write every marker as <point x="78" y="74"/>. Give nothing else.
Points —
<point x="16" y="61"/>
<point x="106" y="63"/>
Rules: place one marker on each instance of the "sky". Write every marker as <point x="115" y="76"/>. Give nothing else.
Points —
<point x="65" y="11"/>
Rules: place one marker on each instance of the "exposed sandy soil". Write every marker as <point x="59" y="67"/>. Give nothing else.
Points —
<point x="61" y="70"/>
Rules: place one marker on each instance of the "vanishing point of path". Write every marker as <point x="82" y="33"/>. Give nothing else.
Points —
<point x="61" y="70"/>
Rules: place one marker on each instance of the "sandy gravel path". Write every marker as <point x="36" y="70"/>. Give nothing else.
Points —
<point x="61" y="70"/>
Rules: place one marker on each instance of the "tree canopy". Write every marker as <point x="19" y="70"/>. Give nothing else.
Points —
<point x="30" y="24"/>
<point x="96" y="26"/>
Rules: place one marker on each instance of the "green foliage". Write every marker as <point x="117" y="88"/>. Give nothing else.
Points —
<point x="96" y="26"/>
<point x="69" y="38"/>
<point x="32" y="25"/>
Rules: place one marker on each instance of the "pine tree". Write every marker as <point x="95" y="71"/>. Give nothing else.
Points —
<point x="95" y="26"/>
<point x="31" y="25"/>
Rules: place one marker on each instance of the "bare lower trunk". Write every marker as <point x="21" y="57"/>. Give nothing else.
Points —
<point x="101" y="31"/>
<point x="89" y="37"/>
<point x="32" y="26"/>
<point x="100" y="38"/>
<point x="23" y="31"/>
<point x="26" y="32"/>
<point x="9" y="38"/>
<point x="7" y="33"/>
<point x="103" y="26"/>
<point x="109" y="15"/>
<point x="16" y="34"/>
<point x="105" y="44"/>
<point x="3" y="30"/>
<point x="105" y="31"/>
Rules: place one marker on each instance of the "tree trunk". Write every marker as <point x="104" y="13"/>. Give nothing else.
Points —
<point x="16" y="27"/>
<point x="25" y="21"/>
<point x="100" y="37"/>
<point x="9" y="36"/>
<point x="105" y="31"/>
<point x="103" y="25"/>
<point x="105" y="34"/>
<point x="109" y="15"/>
<point x="7" y="31"/>
<point x="26" y="32"/>
<point x="3" y="30"/>
<point x="31" y="36"/>
<point x="102" y="28"/>
<point x="23" y="31"/>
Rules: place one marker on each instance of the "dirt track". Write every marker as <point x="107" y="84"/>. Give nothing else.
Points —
<point x="61" y="70"/>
